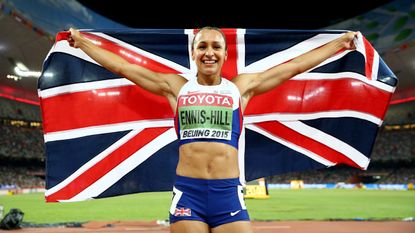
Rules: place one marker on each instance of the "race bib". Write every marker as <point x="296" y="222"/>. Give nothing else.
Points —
<point x="205" y="115"/>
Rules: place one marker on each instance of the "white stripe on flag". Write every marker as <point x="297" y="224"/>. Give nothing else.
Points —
<point x="62" y="46"/>
<point x="168" y="63"/>
<point x="249" y="119"/>
<point x="240" y="59"/>
<point x="292" y="52"/>
<point x="288" y="144"/>
<point x="92" y="162"/>
<point x="375" y="66"/>
<point x="343" y="75"/>
<point x="330" y="141"/>
<point x="331" y="59"/>
<point x="126" y="166"/>
<point x="87" y="86"/>
<point x="109" y="128"/>
<point x="190" y="35"/>
<point x="360" y="45"/>
<point x="78" y="87"/>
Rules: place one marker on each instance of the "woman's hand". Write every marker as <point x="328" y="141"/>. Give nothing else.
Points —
<point x="348" y="40"/>
<point x="74" y="38"/>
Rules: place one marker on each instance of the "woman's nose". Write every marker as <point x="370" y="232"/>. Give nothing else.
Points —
<point x="209" y="52"/>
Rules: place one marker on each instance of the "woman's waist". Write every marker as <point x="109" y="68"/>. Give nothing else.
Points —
<point x="208" y="161"/>
<point x="223" y="182"/>
<point x="214" y="149"/>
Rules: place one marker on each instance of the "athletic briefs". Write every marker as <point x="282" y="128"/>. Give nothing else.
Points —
<point x="213" y="201"/>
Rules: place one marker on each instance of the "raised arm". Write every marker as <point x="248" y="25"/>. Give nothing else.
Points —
<point x="162" y="84"/>
<point x="257" y="83"/>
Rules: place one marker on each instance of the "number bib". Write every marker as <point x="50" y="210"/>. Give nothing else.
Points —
<point x="204" y="115"/>
<point x="208" y="113"/>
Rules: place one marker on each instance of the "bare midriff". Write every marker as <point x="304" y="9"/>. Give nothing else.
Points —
<point x="208" y="160"/>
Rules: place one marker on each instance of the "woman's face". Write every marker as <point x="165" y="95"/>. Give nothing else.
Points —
<point x="209" y="52"/>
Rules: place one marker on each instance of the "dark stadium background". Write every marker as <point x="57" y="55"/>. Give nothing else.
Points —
<point x="21" y="140"/>
<point x="243" y="14"/>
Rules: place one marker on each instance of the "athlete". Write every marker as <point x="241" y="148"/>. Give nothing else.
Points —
<point x="207" y="194"/>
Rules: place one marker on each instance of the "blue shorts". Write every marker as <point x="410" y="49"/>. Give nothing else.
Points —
<point x="214" y="202"/>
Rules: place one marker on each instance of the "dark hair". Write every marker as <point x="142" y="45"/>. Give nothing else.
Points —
<point x="210" y="28"/>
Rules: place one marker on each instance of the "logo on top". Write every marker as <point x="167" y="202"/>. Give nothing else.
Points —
<point x="195" y="98"/>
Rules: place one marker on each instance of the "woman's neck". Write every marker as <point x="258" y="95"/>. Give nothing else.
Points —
<point x="208" y="80"/>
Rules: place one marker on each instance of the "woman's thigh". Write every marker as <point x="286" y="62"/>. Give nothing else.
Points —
<point x="234" y="227"/>
<point x="186" y="226"/>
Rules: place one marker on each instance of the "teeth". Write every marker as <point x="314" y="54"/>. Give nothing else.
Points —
<point x="209" y="62"/>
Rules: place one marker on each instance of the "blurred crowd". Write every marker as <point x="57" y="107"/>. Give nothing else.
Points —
<point x="10" y="109"/>
<point x="21" y="142"/>
<point x="402" y="113"/>
<point x="394" y="145"/>
<point x="18" y="177"/>
<point x="348" y="175"/>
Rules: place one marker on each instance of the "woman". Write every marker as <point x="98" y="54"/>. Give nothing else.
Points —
<point x="207" y="195"/>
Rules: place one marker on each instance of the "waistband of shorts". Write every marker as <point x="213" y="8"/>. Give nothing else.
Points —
<point x="208" y="182"/>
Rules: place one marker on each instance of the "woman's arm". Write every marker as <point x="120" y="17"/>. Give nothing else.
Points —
<point x="254" y="84"/>
<point x="162" y="84"/>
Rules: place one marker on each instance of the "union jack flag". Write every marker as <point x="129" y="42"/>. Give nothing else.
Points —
<point x="183" y="212"/>
<point x="105" y="136"/>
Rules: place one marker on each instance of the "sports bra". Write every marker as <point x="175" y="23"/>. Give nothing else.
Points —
<point x="209" y="113"/>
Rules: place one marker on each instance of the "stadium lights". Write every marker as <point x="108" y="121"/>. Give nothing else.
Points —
<point x="21" y="70"/>
<point x="14" y="77"/>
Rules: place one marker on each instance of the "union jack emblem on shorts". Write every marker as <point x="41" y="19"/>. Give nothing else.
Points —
<point x="182" y="212"/>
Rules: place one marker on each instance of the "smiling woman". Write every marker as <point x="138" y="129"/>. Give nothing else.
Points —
<point x="207" y="191"/>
